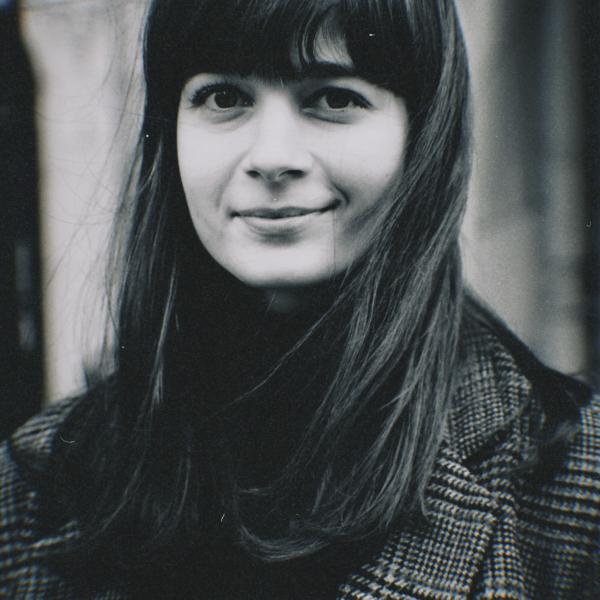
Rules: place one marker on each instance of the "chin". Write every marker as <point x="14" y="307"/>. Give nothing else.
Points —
<point x="278" y="270"/>
<point x="286" y="292"/>
<point x="294" y="281"/>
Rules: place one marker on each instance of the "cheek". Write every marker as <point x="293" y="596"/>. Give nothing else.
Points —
<point x="367" y="160"/>
<point x="204" y="172"/>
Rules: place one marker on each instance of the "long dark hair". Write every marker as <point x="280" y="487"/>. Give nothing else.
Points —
<point x="155" y="453"/>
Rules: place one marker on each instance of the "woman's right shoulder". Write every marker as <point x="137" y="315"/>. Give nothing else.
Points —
<point x="26" y="454"/>
<point x="25" y="462"/>
<point x="29" y="534"/>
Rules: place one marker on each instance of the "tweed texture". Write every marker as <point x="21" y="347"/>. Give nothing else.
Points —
<point x="492" y="531"/>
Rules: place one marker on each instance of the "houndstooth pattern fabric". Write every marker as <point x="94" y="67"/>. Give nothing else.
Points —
<point x="490" y="534"/>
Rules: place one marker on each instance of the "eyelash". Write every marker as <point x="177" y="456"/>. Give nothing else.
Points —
<point x="353" y="97"/>
<point x="200" y="96"/>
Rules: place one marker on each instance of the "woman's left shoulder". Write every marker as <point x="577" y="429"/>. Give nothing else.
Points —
<point x="584" y="450"/>
<point x="575" y="485"/>
<point x="590" y="422"/>
<point x="559" y="517"/>
<point x="531" y="438"/>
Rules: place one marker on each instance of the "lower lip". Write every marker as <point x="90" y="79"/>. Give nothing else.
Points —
<point x="285" y="227"/>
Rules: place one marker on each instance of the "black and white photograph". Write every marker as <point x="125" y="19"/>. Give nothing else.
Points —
<point x="300" y="299"/>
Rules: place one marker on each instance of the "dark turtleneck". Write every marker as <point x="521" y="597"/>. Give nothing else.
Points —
<point x="238" y="349"/>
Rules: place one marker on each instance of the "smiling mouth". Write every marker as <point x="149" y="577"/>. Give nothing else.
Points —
<point x="287" y="212"/>
<point x="281" y="224"/>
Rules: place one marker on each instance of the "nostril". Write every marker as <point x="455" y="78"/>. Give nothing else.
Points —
<point x="275" y="175"/>
<point x="278" y="174"/>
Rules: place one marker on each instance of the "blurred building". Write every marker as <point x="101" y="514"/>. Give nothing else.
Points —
<point x="529" y="231"/>
<point x="21" y="367"/>
<point x="530" y="228"/>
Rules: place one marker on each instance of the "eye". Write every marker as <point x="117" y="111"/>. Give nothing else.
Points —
<point x="336" y="99"/>
<point x="220" y="97"/>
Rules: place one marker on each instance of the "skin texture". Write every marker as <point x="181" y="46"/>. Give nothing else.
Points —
<point x="281" y="178"/>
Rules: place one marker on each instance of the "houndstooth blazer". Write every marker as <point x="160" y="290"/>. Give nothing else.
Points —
<point x="491" y="532"/>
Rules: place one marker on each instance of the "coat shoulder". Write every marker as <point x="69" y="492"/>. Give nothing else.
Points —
<point x="576" y="485"/>
<point x="32" y="444"/>
<point x="24" y="463"/>
<point x="586" y="447"/>
<point x="559" y="519"/>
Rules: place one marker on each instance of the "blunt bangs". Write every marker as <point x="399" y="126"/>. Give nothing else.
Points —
<point x="276" y="39"/>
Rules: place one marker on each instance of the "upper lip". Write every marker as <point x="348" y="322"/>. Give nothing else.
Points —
<point x="281" y="212"/>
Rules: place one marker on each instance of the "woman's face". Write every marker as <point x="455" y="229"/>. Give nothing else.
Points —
<point x="281" y="179"/>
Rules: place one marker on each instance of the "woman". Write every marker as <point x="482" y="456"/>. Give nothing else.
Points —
<point x="301" y="401"/>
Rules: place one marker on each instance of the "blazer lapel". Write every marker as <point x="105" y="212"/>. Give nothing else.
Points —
<point x="438" y="558"/>
<point x="468" y="540"/>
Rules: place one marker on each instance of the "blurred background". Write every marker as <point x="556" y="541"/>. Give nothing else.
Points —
<point x="69" y="111"/>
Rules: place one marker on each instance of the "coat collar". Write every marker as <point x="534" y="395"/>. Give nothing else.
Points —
<point x="438" y="558"/>
<point x="492" y="393"/>
<point x="442" y="558"/>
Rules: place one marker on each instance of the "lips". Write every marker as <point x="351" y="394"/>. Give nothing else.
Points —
<point x="282" y="223"/>
<point x="283" y="212"/>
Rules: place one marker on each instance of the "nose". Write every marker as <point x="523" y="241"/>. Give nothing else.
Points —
<point x="277" y="150"/>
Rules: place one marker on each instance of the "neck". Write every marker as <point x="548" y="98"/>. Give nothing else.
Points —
<point x="284" y="302"/>
<point x="310" y="300"/>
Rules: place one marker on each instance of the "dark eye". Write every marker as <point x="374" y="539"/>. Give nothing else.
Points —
<point x="220" y="97"/>
<point x="337" y="99"/>
<point x="227" y="98"/>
